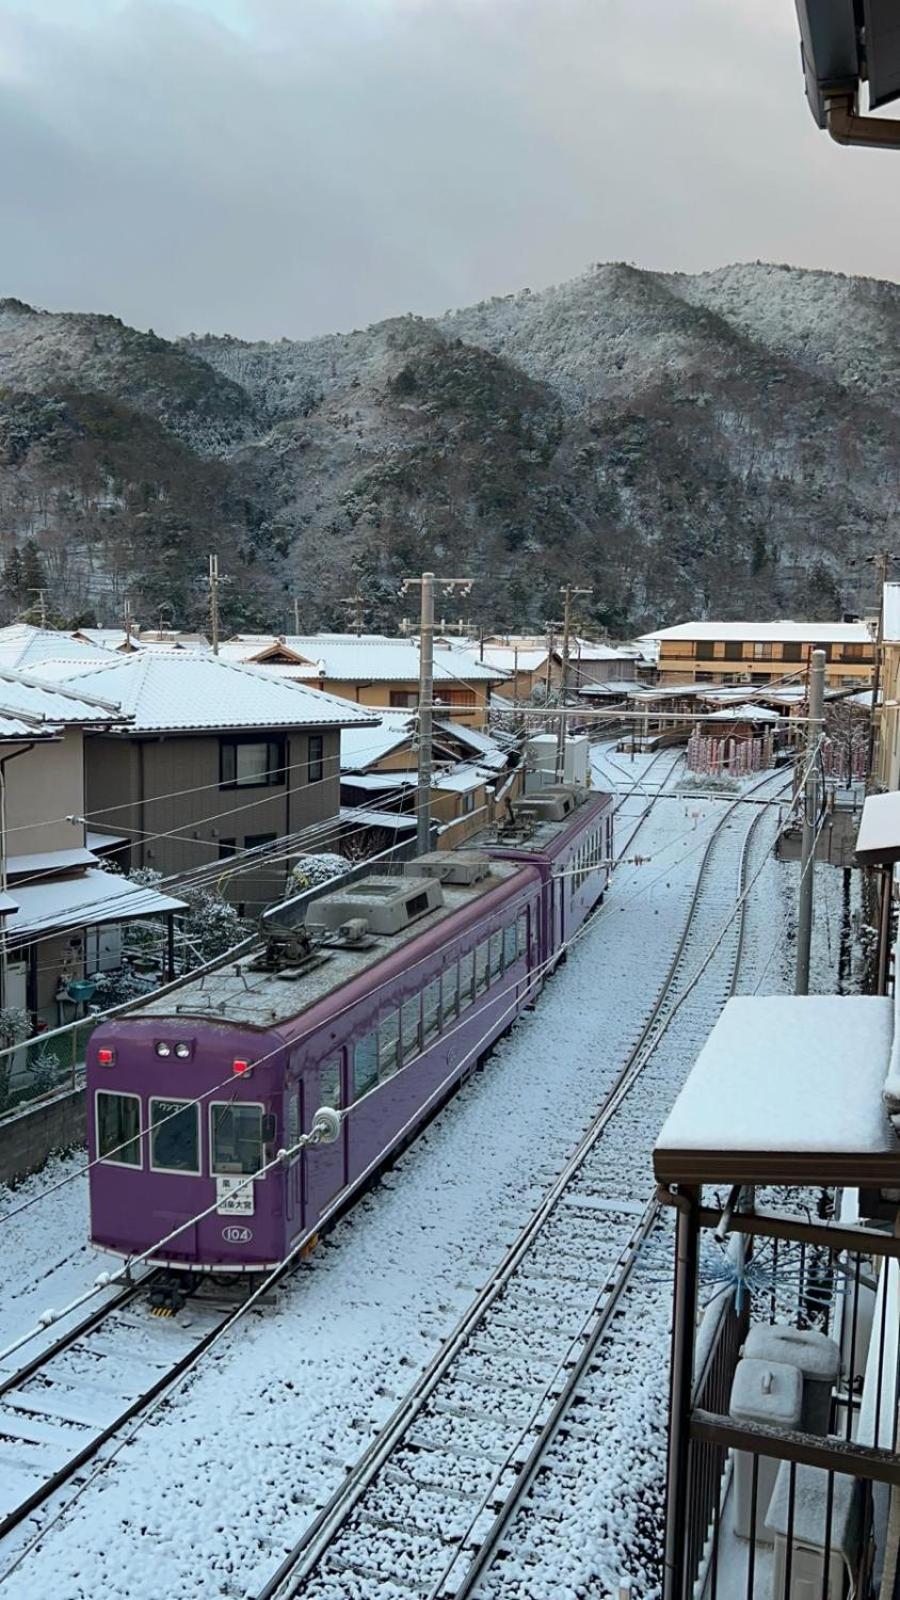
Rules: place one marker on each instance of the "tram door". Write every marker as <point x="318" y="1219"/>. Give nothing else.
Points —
<point x="324" y="1165"/>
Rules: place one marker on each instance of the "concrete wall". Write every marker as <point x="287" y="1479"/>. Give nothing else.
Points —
<point x="28" y="1137"/>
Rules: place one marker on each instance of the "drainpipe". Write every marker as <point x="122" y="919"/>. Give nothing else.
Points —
<point x="4" y="959"/>
<point x="847" y="127"/>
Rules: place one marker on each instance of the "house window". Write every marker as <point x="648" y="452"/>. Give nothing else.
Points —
<point x="251" y="763"/>
<point x="706" y="649"/>
<point x="455" y="697"/>
<point x="792" y="650"/>
<point x="734" y="650"/>
<point x="404" y="698"/>
<point x="762" y="650"/>
<point x="468" y="803"/>
<point x="856" y="652"/>
<point x="254" y="841"/>
<point x="316" y="768"/>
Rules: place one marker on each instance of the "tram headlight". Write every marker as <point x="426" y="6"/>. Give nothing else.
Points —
<point x="182" y="1051"/>
<point x="163" y="1049"/>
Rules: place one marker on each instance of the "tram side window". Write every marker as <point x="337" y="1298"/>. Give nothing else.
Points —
<point x="119" y="1128"/>
<point x="481" y="967"/>
<point x="466" y="978"/>
<point x="509" y="945"/>
<point x="330" y="1083"/>
<point x="365" y="1064"/>
<point x="431" y="1011"/>
<point x="291" y="1115"/>
<point x="235" y="1138"/>
<point x="522" y="933"/>
<point x="450" y="993"/>
<point x="410" y="1026"/>
<point x="388" y="1045"/>
<point x="496" y="954"/>
<point x="174" y="1135"/>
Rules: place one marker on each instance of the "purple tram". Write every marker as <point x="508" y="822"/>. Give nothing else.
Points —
<point x="378" y="1006"/>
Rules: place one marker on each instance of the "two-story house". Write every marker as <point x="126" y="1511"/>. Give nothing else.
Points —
<point x="373" y="670"/>
<point x="207" y="759"/>
<point x="60" y="908"/>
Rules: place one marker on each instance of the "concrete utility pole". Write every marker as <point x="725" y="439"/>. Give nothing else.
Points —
<point x="881" y="560"/>
<point x="569" y="591"/>
<point x="213" y="581"/>
<point x="426" y="584"/>
<point x="42" y="605"/>
<point x="296" y="615"/>
<point x="810" y="820"/>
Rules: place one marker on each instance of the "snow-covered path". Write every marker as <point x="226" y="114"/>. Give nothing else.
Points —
<point x="224" y="1477"/>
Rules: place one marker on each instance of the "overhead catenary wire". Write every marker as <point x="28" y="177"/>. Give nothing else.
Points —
<point x="261" y="1289"/>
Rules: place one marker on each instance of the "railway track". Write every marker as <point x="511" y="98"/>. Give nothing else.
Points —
<point x="427" y="1506"/>
<point x="59" y="1409"/>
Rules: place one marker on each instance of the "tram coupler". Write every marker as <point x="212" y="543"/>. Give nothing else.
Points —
<point x="168" y="1295"/>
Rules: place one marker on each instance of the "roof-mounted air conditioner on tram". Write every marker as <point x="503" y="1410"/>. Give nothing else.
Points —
<point x="544" y="807"/>
<point x="456" y="866"/>
<point x="386" y="905"/>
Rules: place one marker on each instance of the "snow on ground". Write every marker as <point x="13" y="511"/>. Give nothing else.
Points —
<point x="224" y="1478"/>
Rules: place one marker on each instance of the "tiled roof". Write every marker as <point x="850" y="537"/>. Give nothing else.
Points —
<point x="363" y="747"/>
<point x="48" y="706"/>
<point x="22" y="645"/>
<point x="349" y="658"/>
<point x="185" y="693"/>
<point x="770" y="632"/>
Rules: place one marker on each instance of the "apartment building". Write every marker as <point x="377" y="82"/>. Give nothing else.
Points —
<point x="760" y="652"/>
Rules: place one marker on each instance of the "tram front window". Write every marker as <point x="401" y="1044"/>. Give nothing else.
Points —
<point x="235" y="1138"/>
<point x="174" y="1136"/>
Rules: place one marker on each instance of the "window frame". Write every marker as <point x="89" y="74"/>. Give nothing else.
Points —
<point x="138" y="1139"/>
<point x="230" y="1105"/>
<point x="510" y="946"/>
<point x="450" y="988"/>
<point x="315" y="764"/>
<point x="409" y="1053"/>
<point x="432" y="1030"/>
<point x="482" y="956"/>
<point x="276" y="773"/>
<point x="467" y="991"/>
<point x="369" y="1038"/>
<point x="181" y="1172"/>
<point x="387" y="1068"/>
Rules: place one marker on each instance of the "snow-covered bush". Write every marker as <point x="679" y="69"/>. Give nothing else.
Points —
<point x="209" y="928"/>
<point x="123" y="984"/>
<point x="309" y="871"/>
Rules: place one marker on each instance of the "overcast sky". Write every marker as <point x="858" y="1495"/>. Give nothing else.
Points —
<point x="270" y="167"/>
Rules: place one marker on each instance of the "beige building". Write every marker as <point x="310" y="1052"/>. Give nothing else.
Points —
<point x="760" y="652"/>
<point x="887" y="713"/>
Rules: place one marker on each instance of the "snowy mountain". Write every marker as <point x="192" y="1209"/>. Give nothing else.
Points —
<point x="724" y="442"/>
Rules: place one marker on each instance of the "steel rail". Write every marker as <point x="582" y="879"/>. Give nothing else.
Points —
<point x="490" y="1540"/>
<point x="315" y="1541"/>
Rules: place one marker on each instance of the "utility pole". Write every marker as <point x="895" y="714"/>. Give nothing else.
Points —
<point x="426" y="585"/>
<point x="569" y="590"/>
<point x="881" y="561"/>
<point x="296" y="615"/>
<point x="810" y="820"/>
<point x="42" y="605"/>
<point x="356" y="601"/>
<point x="551" y="627"/>
<point x="214" y="603"/>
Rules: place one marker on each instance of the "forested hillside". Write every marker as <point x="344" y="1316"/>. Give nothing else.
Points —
<point x="722" y="443"/>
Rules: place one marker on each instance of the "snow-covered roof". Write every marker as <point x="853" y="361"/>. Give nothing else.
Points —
<point x="365" y="817"/>
<point x="504" y="658"/>
<point x="786" y="1089"/>
<point x="45" y="863"/>
<point x="108" y="638"/>
<point x="352" y="658"/>
<point x="615" y="688"/>
<point x="769" y="632"/>
<point x="25" y="695"/>
<point x="890" y="627"/>
<point x="461" y="779"/>
<point x="22" y="645"/>
<point x="746" y="712"/>
<point x="489" y="751"/>
<point x="590" y="650"/>
<point x="185" y="693"/>
<point x="379" y="782"/>
<point x="98" y="896"/>
<point x="878" y="840"/>
<point x="364" y="747"/>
